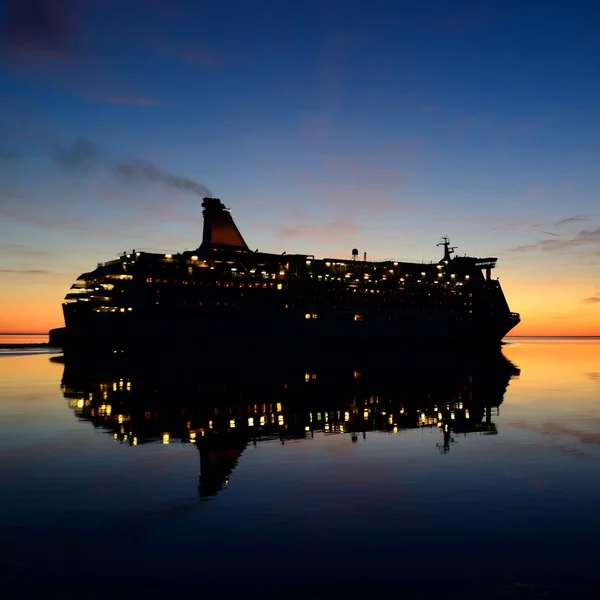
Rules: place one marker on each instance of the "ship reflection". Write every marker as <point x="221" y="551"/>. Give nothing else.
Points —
<point x="222" y="407"/>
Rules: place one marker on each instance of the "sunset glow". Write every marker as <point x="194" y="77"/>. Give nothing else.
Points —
<point x="324" y="128"/>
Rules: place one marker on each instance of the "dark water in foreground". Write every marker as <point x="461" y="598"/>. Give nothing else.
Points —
<point x="423" y="476"/>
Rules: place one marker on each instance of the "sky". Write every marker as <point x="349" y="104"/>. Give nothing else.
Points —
<point x="324" y="126"/>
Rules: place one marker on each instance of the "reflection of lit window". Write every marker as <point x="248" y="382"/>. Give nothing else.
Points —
<point x="358" y="317"/>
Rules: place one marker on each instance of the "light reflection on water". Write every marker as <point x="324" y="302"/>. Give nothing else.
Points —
<point x="345" y="480"/>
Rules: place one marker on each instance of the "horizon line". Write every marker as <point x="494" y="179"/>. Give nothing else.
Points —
<point x="507" y="336"/>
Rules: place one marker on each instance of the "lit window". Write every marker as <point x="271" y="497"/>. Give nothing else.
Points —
<point x="314" y="316"/>
<point x="307" y="316"/>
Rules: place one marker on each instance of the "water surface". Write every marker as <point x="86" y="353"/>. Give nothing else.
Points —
<point x="160" y="477"/>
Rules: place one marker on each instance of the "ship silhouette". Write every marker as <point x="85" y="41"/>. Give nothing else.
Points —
<point x="224" y="295"/>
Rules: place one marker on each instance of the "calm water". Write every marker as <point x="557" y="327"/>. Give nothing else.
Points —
<point x="423" y="476"/>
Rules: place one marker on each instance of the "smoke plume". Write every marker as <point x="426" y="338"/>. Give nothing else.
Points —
<point x="145" y="171"/>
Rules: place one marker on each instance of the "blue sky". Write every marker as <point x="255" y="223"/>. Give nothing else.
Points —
<point x="323" y="125"/>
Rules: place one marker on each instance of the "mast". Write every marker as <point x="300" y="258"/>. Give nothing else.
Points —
<point x="448" y="249"/>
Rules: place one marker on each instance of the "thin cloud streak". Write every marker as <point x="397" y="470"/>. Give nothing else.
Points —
<point x="583" y="238"/>
<point x="30" y="272"/>
<point x="576" y="219"/>
<point x="547" y="232"/>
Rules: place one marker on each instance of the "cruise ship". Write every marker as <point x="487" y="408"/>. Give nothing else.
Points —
<point x="223" y="294"/>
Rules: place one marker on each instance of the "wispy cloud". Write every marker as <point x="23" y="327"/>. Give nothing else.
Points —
<point x="30" y="272"/>
<point x="576" y="219"/>
<point x="584" y="238"/>
<point x="547" y="232"/>
<point x="595" y="299"/>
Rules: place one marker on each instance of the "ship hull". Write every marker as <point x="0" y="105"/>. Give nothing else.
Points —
<point x="221" y="330"/>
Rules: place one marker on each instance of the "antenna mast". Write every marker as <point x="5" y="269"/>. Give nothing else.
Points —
<point x="448" y="249"/>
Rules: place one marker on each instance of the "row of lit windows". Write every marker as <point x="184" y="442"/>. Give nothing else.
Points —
<point x="231" y="284"/>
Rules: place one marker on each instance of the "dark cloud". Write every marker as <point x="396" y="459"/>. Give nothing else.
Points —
<point x="78" y="153"/>
<point x="7" y="154"/>
<point x="40" y="30"/>
<point x="570" y="220"/>
<point x="147" y="172"/>
<point x="593" y="299"/>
